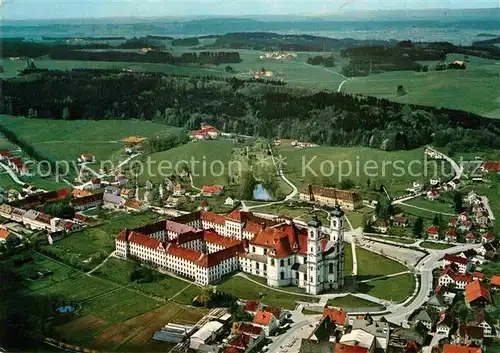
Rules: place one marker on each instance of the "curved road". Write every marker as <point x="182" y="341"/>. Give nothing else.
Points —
<point x="12" y="174"/>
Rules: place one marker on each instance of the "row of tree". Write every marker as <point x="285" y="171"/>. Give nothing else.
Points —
<point x="248" y="108"/>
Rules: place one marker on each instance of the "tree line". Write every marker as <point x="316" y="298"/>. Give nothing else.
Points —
<point x="248" y="108"/>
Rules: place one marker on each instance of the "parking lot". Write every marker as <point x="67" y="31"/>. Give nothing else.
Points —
<point x="407" y="256"/>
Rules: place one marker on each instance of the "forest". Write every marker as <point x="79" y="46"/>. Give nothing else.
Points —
<point x="247" y="107"/>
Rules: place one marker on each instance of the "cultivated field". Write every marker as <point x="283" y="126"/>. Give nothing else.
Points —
<point x="67" y="140"/>
<point x="333" y="164"/>
<point x="474" y="89"/>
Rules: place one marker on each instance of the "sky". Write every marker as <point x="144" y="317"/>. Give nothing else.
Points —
<point x="58" y="9"/>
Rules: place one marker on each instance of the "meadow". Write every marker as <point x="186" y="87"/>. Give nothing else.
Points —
<point x="474" y="89"/>
<point x="318" y="165"/>
<point x="67" y="140"/>
<point x="210" y="166"/>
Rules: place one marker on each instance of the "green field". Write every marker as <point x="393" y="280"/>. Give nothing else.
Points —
<point x="474" y="89"/>
<point x="245" y="289"/>
<point x="67" y="140"/>
<point x="314" y="165"/>
<point x="348" y="259"/>
<point x="436" y="206"/>
<point x="163" y="286"/>
<point x="395" y="239"/>
<point x="371" y="265"/>
<point x="396" y="288"/>
<point x="350" y="301"/>
<point x="205" y="170"/>
<point x="87" y="248"/>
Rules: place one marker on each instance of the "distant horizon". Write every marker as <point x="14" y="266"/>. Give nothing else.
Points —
<point x="47" y="10"/>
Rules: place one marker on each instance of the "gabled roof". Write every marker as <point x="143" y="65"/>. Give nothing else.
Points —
<point x="491" y="166"/>
<point x="252" y="305"/>
<point x="456" y="348"/>
<point x="211" y="188"/>
<point x="471" y="331"/>
<point x="478" y="275"/>
<point x="426" y="315"/>
<point x="457" y="259"/>
<point x="248" y="328"/>
<point x="433" y="230"/>
<point x="263" y="318"/>
<point x="488" y="235"/>
<point x="495" y="280"/>
<point x="336" y="316"/>
<point x="451" y="233"/>
<point x="436" y="300"/>
<point x="470" y="235"/>
<point x="475" y="291"/>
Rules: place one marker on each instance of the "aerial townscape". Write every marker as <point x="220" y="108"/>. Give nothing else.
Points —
<point x="315" y="177"/>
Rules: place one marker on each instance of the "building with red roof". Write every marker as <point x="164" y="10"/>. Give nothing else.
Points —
<point x="491" y="166"/>
<point x="432" y="232"/>
<point x="252" y="306"/>
<point x="487" y="237"/>
<point x="449" y="277"/>
<point x="5" y="235"/>
<point x="463" y="264"/>
<point x="451" y="235"/>
<point x="205" y="246"/>
<point x="212" y="190"/>
<point x="477" y="294"/>
<point x="266" y="320"/>
<point x="339" y="317"/>
<point x="456" y="348"/>
<point x="495" y="281"/>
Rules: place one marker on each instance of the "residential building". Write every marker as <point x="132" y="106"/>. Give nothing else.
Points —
<point x="359" y="338"/>
<point x="476" y="293"/>
<point x="491" y="167"/>
<point x="86" y="202"/>
<point x="206" y="334"/>
<point x="381" y="226"/>
<point x="112" y="201"/>
<point x="426" y="317"/>
<point x="482" y="320"/>
<point x="432" y="233"/>
<point x="449" y="277"/>
<point x="463" y="264"/>
<point x="229" y="201"/>
<point x="400" y="339"/>
<point x="437" y="301"/>
<point x="478" y="276"/>
<point x="86" y="158"/>
<point x="266" y="320"/>
<point x="252" y="306"/>
<point x="455" y="348"/>
<point x="379" y="329"/>
<point x="451" y="235"/>
<point x="467" y="334"/>
<point x="5" y="235"/>
<point x="312" y="346"/>
<point x="350" y="200"/>
<point x="212" y="190"/>
<point x="400" y="221"/>
<point x="95" y="183"/>
<point x="470" y="238"/>
<point x="446" y="324"/>
<point x="495" y="282"/>
<point x="179" y="190"/>
<point x="344" y="348"/>
<point x="487" y="237"/>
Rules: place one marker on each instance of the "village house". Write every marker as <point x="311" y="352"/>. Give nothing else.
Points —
<point x="491" y="167"/>
<point x="86" y="158"/>
<point x="229" y="201"/>
<point x="433" y="194"/>
<point x="400" y="221"/>
<point x="470" y="238"/>
<point x="451" y="235"/>
<point x="5" y="235"/>
<point x="445" y="324"/>
<point x="211" y="190"/>
<point x="455" y="348"/>
<point x="266" y="320"/>
<point x="482" y="319"/>
<point x="133" y="144"/>
<point x="179" y="190"/>
<point x="432" y="233"/>
<point x="76" y="193"/>
<point x="487" y="237"/>
<point x="478" y="276"/>
<point x="463" y="264"/>
<point x="331" y="196"/>
<point x="477" y="294"/>
<point x="18" y="166"/>
<point x="252" y="306"/>
<point x="381" y="226"/>
<point x="127" y="193"/>
<point x="469" y="334"/>
<point x="95" y="183"/>
<point x="112" y="201"/>
<point x="448" y="277"/>
<point x="83" y="203"/>
<point x="207" y="132"/>
<point x="437" y="301"/>
<point x="495" y="282"/>
<point x="426" y="317"/>
<point x="454" y="184"/>
<point x="5" y="154"/>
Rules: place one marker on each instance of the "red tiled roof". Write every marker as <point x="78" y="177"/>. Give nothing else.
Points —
<point x="235" y="215"/>
<point x="189" y="236"/>
<point x="197" y="133"/>
<point x="491" y="166"/>
<point x="476" y="290"/>
<point x="87" y="199"/>
<point x="282" y="240"/>
<point x="184" y="253"/>
<point x="208" y="128"/>
<point x="457" y="259"/>
<point x="433" y="230"/>
<point x="248" y="328"/>
<point x="274" y="310"/>
<point x="209" y="260"/>
<point x="489" y="235"/>
<point x="144" y="240"/>
<point x="213" y="218"/>
<point x="252" y="227"/>
<point x="470" y="235"/>
<point x="240" y="341"/>
<point x="211" y="188"/>
<point x="457" y="277"/>
<point x="178" y="228"/>
<point x="452" y="221"/>
<point x="478" y="275"/>
<point x="4" y="233"/>
<point x="252" y="305"/>
<point x="402" y="220"/>
<point x="5" y="153"/>
<point x="262" y="317"/>
<point x="456" y="348"/>
<point x="495" y="280"/>
<point x="337" y="316"/>
<point x="68" y="225"/>
<point x="345" y="348"/>
<point x="451" y="233"/>
<point x="211" y="236"/>
<point x="95" y="181"/>
<point x="81" y="217"/>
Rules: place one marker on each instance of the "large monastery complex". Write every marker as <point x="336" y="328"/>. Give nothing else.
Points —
<point x="205" y="246"/>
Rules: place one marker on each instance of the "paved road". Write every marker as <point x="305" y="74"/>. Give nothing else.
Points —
<point x="454" y="165"/>
<point x="12" y="174"/>
<point x="341" y="84"/>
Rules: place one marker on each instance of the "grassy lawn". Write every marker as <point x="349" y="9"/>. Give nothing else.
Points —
<point x="314" y="165"/>
<point x="244" y="289"/>
<point x="372" y="265"/>
<point x="284" y="210"/>
<point x="396" y="288"/>
<point x="435" y="246"/>
<point x="163" y="286"/>
<point x="438" y="88"/>
<point x="210" y="166"/>
<point x="356" y="217"/>
<point x="97" y="242"/>
<point x="350" y="301"/>
<point x="66" y="140"/>
<point x="437" y="206"/>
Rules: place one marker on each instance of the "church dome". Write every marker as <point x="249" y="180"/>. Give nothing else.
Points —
<point x="337" y="211"/>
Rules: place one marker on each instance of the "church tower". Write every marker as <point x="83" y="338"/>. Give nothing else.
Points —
<point x="337" y="237"/>
<point x="315" y="273"/>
